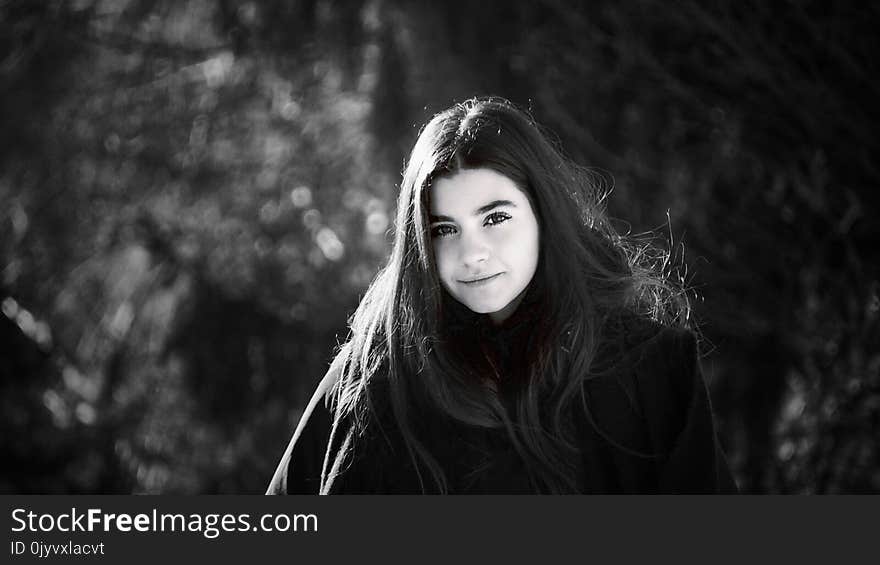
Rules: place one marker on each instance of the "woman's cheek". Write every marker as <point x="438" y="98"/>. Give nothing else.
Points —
<point x="443" y="261"/>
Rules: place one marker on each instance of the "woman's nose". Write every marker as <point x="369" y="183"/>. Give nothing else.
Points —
<point x="474" y="250"/>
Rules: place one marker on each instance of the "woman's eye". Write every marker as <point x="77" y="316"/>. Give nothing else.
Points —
<point x="442" y="230"/>
<point x="496" y="218"/>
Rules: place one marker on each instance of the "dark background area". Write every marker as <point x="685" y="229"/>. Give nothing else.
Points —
<point x="196" y="193"/>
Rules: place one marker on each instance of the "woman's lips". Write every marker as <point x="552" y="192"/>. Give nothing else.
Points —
<point x="479" y="281"/>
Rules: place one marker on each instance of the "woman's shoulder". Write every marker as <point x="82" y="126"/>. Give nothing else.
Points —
<point x="645" y="364"/>
<point x="647" y="372"/>
<point x="654" y="400"/>
<point x="630" y="338"/>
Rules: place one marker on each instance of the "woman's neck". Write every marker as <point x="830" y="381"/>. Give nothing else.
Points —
<point x="502" y="315"/>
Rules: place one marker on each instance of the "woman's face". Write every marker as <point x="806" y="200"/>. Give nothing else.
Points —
<point x="485" y="240"/>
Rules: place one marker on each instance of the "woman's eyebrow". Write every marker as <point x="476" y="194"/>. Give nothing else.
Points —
<point x="481" y="210"/>
<point x="493" y="204"/>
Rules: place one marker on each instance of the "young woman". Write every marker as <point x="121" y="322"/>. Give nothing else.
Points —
<point x="514" y="343"/>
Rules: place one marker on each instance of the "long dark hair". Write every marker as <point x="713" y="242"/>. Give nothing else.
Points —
<point x="586" y="273"/>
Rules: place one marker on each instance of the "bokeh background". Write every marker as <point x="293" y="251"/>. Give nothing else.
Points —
<point x="195" y="193"/>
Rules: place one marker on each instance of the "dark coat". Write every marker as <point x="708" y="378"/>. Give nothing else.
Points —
<point x="649" y="429"/>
